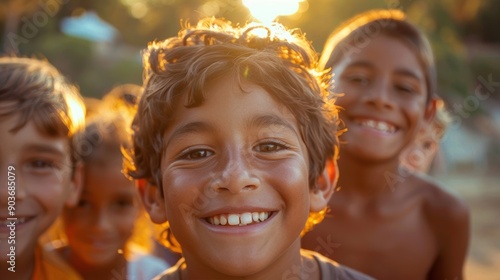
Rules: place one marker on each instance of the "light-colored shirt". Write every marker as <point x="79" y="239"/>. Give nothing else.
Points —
<point x="328" y="269"/>
<point x="143" y="266"/>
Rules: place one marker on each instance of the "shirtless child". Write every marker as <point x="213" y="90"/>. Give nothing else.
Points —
<point x="384" y="220"/>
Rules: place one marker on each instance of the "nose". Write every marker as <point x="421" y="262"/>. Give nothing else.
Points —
<point x="379" y="94"/>
<point x="101" y="221"/>
<point x="237" y="173"/>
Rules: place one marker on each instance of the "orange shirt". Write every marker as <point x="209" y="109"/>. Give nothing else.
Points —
<point x="49" y="266"/>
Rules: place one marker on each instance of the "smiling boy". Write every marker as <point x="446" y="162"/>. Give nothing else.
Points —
<point x="384" y="220"/>
<point x="39" y="114"/>
<point x="233" y="135"/>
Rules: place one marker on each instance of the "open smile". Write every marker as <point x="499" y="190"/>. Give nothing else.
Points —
<point x="380" y="126"/>
<point x="18" y="223"/>
<point x="239" y="219"/>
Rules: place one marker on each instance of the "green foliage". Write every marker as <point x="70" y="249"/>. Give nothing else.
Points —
<point x="97" y="68"/>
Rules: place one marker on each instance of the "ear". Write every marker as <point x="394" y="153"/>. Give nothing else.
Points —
<point x="430" y="110"/>
<point x="154" y="202"/>
<point x="326" y="183"/>
<point x="141" y="186"/>
<point x="75" y="186"/>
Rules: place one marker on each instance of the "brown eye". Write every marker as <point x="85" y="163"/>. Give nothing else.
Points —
<point x="270" y="147"/>
<point x="196" y="154"/>
<point x="82" y="203"/>
<point x="405" y="89"/>
<point x="358" y="80"/>
<point x="124" y="203"/>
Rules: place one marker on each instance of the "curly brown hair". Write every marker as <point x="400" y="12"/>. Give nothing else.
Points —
<point x="280" y="61"/>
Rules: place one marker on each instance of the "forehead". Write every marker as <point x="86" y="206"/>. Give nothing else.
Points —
<point x="106" y="180"/>
<point x="29" y="138"/>
<point x="226" y="98"/>
<point x="383" y="52"/>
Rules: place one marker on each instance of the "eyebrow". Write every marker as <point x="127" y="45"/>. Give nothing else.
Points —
<point x="44" y="148"/>
<point x="190" y="128"/>
<point x="409" y="73"/>
<point x="257" y="121"/>
<point x="360" y="63"/>
<point x="399" y="71"/>
<point x="123" y="192"/>
<point x="271" y="120"/>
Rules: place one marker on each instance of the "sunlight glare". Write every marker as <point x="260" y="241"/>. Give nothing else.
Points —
<point x="268" y="10"/>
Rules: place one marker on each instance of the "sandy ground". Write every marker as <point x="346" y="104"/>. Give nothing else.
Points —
<point x="482" y="194"/>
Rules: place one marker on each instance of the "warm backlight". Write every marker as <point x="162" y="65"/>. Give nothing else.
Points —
<point x="268" y="10"/>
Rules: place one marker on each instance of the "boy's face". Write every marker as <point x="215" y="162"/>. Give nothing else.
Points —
<point x="43" y="183"/>
<point x="103" y="220"/>
<point x="385" y="98"/>
<point x="235" y="181"/>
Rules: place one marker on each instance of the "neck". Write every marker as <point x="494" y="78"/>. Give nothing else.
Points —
<point x="368" y="178"/>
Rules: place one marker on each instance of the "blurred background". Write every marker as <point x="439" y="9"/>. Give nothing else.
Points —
<point x="97" y="45"/>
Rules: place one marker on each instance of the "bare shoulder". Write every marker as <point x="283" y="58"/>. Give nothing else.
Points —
<point x="448" y="218"/>
<point x="442" y="208"/>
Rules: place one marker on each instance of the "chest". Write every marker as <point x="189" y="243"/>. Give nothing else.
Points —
<point x="381" y="241"/>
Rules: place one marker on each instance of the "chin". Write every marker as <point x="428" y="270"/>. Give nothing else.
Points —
<point x="239" y="265"/>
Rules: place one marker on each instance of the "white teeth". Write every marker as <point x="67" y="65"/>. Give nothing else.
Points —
<point x="233" y="219"/>
<point x="371" y="123"/>
<point x="255" y="217"/>
<point x="223" y="220"/>
<point x="263" y="216"/>
<point x="239" y="219"/>
<point x="383" y="126"/>
<point x="6" y="222"/>
<point x="378" y="125"/>
<point x="246" y="218"/>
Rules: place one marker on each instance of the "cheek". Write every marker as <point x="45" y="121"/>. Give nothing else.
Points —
<point x="416" y="107"/>
<point x="51" y="197"/>
<point x="52" y="189"/>
<point x="185" y="191"/>
<point x="344" y="95"/>
<point x="290" y="179"/>
<point x="125" y="226"/>
<point x="74" y="232"/>
<point x="73" y="223"/>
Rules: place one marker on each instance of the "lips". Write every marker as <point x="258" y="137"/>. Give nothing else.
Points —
<point x="17" y="221"/>
<point x="238" y="219"/>
<point x="381" y="126"/>
<point x="100" y="243"/>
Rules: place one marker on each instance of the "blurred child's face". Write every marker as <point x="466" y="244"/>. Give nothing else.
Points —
<point x="103" y="220"/>
<point x="385" y="98"/>
<point x="420" y="154"/>
<point x="235" y="181"/>
<point x="42" y="181"/>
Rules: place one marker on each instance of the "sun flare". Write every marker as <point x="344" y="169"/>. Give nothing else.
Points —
<point x="268" y="10"/>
